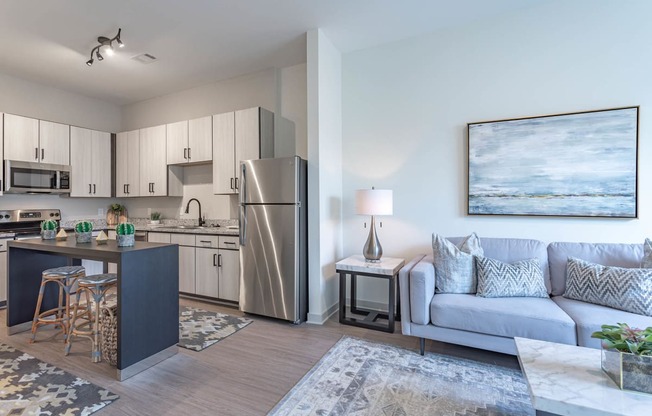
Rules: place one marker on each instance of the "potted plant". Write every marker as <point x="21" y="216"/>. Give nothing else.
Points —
<point x="116" y="214"/>
<point x="627" y="356"/>
<point x="83" y="232"/>
<point x="125" y="234"/>
<point x="155" y="218"/>
<point x="48" y="229"/>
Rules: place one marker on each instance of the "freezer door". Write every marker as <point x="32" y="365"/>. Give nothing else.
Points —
<point x="269" y="181"/>
<point x="269" y="283"/>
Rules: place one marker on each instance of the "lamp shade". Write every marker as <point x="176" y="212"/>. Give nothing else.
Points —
<point x="374" y="202"/>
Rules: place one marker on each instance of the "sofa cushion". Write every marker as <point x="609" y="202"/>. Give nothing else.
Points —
<point x="422" y="289"/>
<point x="647" y="254"/>
<point x="589" y="318"/>
<point x="619" y="255"/>
<point x="497" y="279"/>
<point x="509" y="250"/>
<point x="617" y="287"/>
<point x="454" y="265"/>
<point x="536" y="318"/>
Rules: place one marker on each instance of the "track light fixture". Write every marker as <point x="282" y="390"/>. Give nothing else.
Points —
<point x="104" y="41"/>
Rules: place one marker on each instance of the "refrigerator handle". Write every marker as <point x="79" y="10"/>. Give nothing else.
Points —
<point x="242" y="212"/>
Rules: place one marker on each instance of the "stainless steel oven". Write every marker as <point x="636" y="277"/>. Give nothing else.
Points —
<point x="36" y="178"/>
<point x="26" y="223"/>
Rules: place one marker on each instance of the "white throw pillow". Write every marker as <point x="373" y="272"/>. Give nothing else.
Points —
<point x="454" y="265"/>
<point x="523" y="278"/>
<point x="647" y="256"/>
<point x="617" y="287"/>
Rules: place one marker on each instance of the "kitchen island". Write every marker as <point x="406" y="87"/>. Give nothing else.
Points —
<point x="147" y="298"/>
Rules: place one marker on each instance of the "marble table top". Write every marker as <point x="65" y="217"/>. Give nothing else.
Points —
<point x="568" y="380"/>
<point x="388" y="266"/>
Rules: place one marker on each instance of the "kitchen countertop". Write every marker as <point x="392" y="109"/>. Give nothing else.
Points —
<point x="201" y="230"/>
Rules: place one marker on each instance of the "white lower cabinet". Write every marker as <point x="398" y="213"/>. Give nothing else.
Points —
<point x="206" y="272"/>
<point x="209" y="265"/>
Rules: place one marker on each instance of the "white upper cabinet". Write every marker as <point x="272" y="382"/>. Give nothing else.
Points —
<point x="54" y="143"/>
<point x="153" y="162"/>
<point x="21" y="138"/>
<point x="31" y="140"/>
<point x="177" y="143"/>
<point x="2" y="182"/>
<point x="90" y="161"/>
<point x="127" y="161"/>
<point x="240" y="135"/>
<point x="190" y="141"/>
<point x="200" y="140"/>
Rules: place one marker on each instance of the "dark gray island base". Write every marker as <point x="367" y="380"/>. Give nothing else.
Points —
<point x="148" y="293"/>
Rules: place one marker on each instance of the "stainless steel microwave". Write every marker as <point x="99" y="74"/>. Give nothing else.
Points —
<point x="36" y="178"/>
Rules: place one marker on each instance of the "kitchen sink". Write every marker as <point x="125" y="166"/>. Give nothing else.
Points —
<point x="186" y="227"/>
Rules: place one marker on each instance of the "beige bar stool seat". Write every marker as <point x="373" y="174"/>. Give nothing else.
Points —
<point x="65" y="277"/>
<point x="96" y="286"/>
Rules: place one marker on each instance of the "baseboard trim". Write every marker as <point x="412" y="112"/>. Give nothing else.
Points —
<point x="321" y="318"/>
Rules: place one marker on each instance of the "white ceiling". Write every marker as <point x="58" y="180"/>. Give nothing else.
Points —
<point x="203" y="41"/>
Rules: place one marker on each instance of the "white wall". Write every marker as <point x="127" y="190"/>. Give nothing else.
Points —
<point x="406" y="105"/>
<point x="324" y="173"/>
<point x="18" y="96"/>
<point x="278" y="90"/>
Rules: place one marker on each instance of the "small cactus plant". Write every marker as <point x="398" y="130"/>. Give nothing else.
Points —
<point x="84" y="227"/>
<point x="48" y="225"/>
<point x="125" y="228"/>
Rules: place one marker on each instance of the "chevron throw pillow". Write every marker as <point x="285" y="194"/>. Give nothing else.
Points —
<point x="502" y="280"/>
<point x="647" y="257"/>
<point x="454" y="266"/>
<point x="629" y="290"/>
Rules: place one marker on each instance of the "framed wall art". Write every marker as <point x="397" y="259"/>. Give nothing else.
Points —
<point x="572" y="165"/>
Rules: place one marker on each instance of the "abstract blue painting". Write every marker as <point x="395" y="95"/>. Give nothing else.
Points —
<point x="579" y="165"/>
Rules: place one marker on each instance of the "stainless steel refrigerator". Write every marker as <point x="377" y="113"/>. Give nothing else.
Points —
<point x="274" y="238"/>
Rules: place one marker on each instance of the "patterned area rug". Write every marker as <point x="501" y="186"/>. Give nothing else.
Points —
<point x="358" y="377"/>
<point x="199" y="329"/>
<point x="31" y="387"/>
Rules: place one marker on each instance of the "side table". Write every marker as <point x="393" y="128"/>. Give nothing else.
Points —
<point x="387" y="269"/>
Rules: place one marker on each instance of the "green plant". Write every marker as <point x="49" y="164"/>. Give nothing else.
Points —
<point x="117" y="208"/>
<point x="49" y="225"/>
<point x="155" y="216"/>
<point x="625" y="339"/>
<point x="84" y="227"/>
<point x="125" y="228"/>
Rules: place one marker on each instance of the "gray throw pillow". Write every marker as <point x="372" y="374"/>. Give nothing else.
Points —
<point x="523" y="278"/>
<point x="647" y="256"/>
<point x="454" y="265"/>
<point x="617" y="287"/>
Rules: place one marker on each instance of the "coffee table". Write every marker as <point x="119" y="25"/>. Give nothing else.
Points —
<point x="567" y="380"/>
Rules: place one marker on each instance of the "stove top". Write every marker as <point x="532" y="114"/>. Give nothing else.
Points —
<point x="26" y="221"/>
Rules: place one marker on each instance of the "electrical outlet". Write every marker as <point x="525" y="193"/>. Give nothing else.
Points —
<point x="100" y="212"/>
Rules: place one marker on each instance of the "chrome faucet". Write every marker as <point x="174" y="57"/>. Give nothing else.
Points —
<point x="201" y="220"/>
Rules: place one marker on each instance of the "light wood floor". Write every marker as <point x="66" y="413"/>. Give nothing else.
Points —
<point x="244" y="374"/>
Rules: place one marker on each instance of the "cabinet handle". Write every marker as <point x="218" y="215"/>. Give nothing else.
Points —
<point x="232" y="186"/>
<point x="42" y="154"/>
<point x="236" y="184"/>
<point x="185" y="153"/>
<point x="36" y="153"/>
<point x="205" y="241"/>
<point x="124" y="189"/>
<point x="219" y="260"/>
<point x="153" y="186"/>
<point x="214" y="259"/>
<point x="90" y="188"/>
<point x="188" y="153"/>
<point x="229" y="242"/>
<point x="94" y="189"/>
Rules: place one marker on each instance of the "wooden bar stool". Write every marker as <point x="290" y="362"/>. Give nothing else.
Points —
<point x="96" y="286"/>
<point x="65" y="277"/>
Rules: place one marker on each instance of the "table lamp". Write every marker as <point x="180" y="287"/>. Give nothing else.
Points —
<point x="373" y="202"/>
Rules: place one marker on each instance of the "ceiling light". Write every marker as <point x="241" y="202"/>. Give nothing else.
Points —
<point x="104" y="41"/>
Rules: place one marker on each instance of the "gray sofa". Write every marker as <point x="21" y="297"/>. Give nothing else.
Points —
<point x="492" y="323"/>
